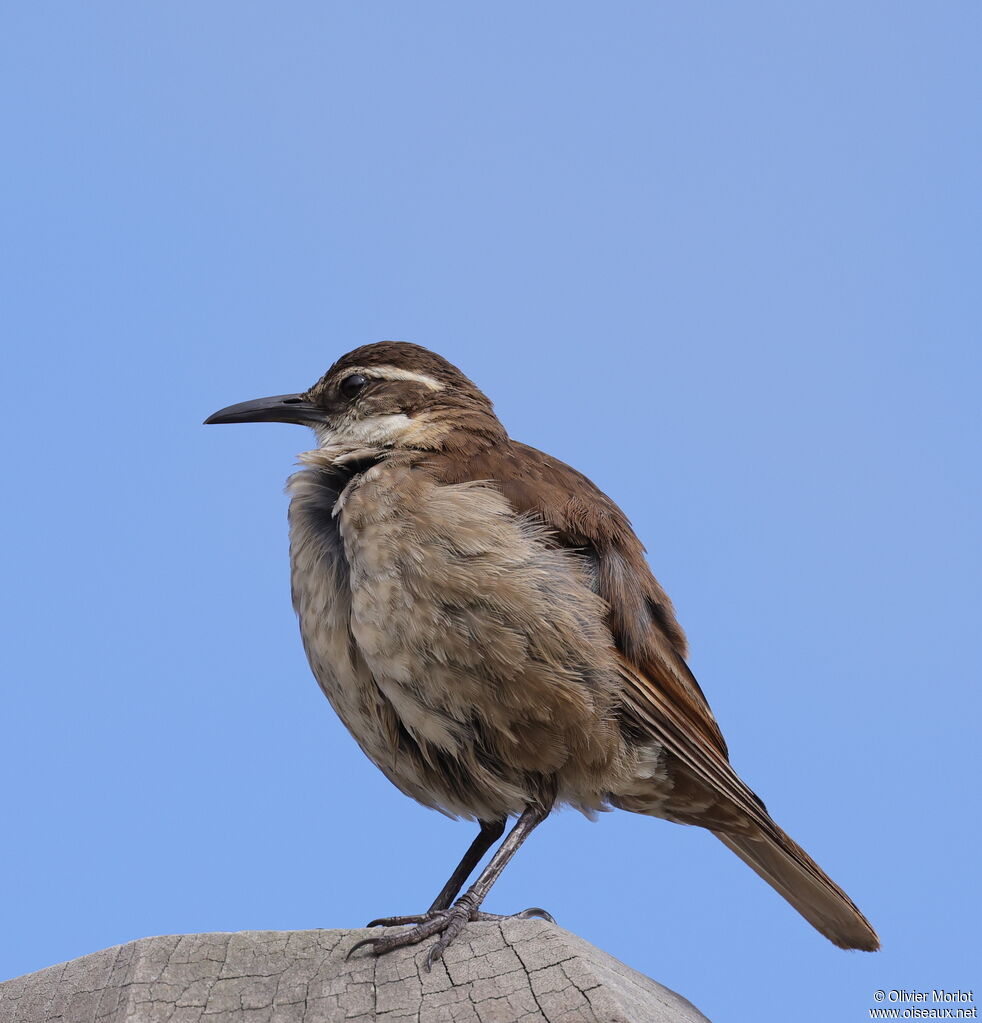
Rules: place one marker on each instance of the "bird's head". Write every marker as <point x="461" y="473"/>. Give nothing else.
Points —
<point x="386" y="395"/>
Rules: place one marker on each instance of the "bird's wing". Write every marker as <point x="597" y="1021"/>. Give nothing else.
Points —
<point x="642" y="620"/>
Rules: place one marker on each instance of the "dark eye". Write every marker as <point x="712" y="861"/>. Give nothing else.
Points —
<point x="350" y="386"/>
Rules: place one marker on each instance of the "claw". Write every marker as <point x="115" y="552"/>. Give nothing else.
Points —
<point x="357" y="945"/>
<point x="538" y="912"/>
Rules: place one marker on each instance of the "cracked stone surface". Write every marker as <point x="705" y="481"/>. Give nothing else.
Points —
<point x="496" y="972"/>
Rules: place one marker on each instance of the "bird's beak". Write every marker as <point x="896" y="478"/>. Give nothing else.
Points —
<point x="281" y="408"/>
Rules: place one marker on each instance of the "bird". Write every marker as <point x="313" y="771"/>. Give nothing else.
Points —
<point x="484" y="621"/>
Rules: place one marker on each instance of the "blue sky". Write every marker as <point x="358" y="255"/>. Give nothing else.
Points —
<point x="722" y="258"/>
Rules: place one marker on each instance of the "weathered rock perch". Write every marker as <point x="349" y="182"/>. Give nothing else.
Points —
<point x="503" y="972"/>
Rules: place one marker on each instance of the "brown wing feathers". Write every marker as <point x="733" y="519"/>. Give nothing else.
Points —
<point x="660" y="694"/>
<point x="583" y="518"/>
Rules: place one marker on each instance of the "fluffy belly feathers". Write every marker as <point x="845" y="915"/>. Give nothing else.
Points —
<point x="468" y="658"/>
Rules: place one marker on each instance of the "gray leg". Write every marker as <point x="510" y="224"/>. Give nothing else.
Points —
<point x="448" y="923"/>
<point x="490" y="832"/>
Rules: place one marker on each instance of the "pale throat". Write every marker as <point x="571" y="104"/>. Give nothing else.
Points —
<point x="391" y="430"/>
<point x="371" y="431"/>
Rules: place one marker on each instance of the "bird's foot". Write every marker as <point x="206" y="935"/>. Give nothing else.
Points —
<point x="448" y="923"/>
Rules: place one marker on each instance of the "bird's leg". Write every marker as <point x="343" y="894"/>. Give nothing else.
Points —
<point x="490" y="832"/>
<point x="448" y="923"/>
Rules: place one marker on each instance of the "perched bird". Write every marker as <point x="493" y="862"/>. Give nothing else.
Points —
<point x="484" y="622"/>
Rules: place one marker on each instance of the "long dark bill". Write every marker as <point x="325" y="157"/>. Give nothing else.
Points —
<point x="280" y="408"/>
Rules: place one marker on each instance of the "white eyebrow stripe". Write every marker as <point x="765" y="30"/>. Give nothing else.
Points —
<point x="397" y="373"/>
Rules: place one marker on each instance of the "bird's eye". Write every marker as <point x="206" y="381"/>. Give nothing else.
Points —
<point x="350" y="386"/>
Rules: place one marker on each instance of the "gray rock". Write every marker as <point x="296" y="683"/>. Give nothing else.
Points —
<point x="495" y="972"/>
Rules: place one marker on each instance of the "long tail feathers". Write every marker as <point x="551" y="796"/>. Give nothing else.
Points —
<point x="790" y="871"/>
<point x="701" y="771"/>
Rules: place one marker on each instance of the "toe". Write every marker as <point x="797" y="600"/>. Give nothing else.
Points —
<point x="453" y="928"/>
<point x="429" y="925"/>
<point x="536" y="911"/>
<point x="396" y="921"/>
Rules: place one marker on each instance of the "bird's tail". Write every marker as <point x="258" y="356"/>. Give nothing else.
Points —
<point x="791" y="872"/>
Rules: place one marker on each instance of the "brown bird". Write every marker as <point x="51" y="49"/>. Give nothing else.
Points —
<point x="484" y="622"/>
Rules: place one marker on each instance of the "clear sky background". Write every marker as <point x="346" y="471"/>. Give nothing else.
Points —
<point x="723" y="258"/>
